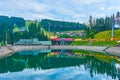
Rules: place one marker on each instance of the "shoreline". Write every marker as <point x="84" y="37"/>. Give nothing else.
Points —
<point x="8" y="50"/>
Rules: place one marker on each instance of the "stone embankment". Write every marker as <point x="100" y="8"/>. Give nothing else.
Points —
<point x="11" y="49"/>
<point x="89" y="48"/>
<point x="4" y="51"/>
<point x="20" y="48"/>
<point x="113" y="51"/>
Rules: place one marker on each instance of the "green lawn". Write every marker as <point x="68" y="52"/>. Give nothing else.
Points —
<point x="95" y="43"/>
<point x="101" y="35"/>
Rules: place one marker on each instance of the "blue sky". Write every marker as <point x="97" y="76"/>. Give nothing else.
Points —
<point x="66" y="10"/>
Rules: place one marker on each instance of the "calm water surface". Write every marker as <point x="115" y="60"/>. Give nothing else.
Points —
<point x="60" y="65"/>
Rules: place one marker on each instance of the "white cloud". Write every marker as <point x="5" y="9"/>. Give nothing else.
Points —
<point x="91" y="1"/>
<point x="102" y="8"/>
<point x="73" y="10"/>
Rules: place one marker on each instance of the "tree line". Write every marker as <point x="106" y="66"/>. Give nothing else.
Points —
<point x="10" y="21"/>
<point x="101" y="24"/>
<point x="61" y="25"/>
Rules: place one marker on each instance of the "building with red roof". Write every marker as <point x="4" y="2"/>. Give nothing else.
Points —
<point x="62" y="41"/>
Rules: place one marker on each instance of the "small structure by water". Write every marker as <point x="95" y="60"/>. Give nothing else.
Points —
<point x="32" y="42"/>
<point x="62" y="41"/>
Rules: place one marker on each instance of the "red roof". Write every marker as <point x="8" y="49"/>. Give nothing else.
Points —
<point x="56" y="52"/>
<point x="68" y="39"/>
<point x="65" y="39"/>
<point x="56" y="39"/>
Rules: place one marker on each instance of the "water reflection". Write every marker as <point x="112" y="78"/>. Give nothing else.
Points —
<point x="93" y="62"/>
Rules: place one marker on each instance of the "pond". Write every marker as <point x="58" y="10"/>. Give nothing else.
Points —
<point x="60" y="65"/>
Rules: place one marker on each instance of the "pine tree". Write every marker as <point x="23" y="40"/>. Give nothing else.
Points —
<point x="90" y="21"/>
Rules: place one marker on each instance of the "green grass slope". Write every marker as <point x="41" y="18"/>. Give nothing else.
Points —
<point x="107" y="34"/>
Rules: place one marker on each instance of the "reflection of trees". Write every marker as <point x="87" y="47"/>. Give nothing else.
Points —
<point x="56" y="62"/>
<point x="119" y="73"/>
<point x="19" y="62"/>
<point x="98" y="67"/>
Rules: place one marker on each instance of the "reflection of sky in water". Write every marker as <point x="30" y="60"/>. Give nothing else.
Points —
<point x="68" y="73"/>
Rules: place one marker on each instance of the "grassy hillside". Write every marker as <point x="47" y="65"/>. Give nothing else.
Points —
<point x="107" y="34"/>
<point x="95" y="43"/>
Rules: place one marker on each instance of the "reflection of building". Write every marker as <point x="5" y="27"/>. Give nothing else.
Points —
<point x="61" y="53"/>
<point x="34" y="52"/>
<point x="62" y="41"/>
<point x="32" y="42"/>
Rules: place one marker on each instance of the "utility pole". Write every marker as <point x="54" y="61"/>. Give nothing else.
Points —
<point x="6" y="38"/>
<point x="13" y="33"/>
<point x="6" y="33"/>
<point x="112" y="30"/>
<point x="49" y="34"/>
<point x="49" y="31"/>
<point x="113" y="24"/>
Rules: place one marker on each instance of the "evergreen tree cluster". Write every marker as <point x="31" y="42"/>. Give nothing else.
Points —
<point x="7" y="26"/>
<point x="34" y="31"/>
